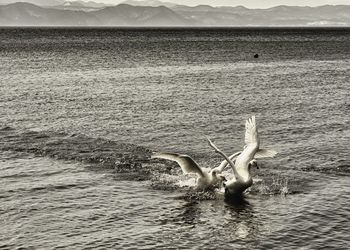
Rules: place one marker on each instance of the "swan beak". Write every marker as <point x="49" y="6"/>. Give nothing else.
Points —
<point x="223" y="178"/>
<point x="255" y="164"/>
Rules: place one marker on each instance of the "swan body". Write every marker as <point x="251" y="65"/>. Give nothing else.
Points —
<point x="245" y="160"/>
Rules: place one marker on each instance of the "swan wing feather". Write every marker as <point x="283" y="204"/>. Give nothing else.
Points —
<point x="265" y="153"/>
<point x="251" y="133"/>
<point x="187" y="164"/>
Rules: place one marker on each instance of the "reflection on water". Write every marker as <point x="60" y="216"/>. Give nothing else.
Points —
<point x="190" y="213"/>
<point x="242" y="224"/>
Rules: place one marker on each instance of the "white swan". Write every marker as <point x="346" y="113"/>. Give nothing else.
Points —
<point x="207" y="178"/>
<point x="242" y="167"/>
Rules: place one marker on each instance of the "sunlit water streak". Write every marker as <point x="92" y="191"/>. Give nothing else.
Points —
<point x="72" y="100"/>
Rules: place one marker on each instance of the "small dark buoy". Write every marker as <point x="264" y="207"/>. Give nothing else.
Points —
<point x="256" y="56"/>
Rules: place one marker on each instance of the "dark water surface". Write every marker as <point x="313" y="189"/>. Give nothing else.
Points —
<point x="82" y="109"/>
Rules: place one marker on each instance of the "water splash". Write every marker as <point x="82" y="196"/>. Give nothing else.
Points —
<point x="275" y="185"/>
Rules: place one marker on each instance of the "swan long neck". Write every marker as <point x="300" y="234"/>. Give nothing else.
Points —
<point x="235" y="172"/>
<point x="243" y="163"/>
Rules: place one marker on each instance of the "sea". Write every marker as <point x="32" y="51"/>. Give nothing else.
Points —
<point x="83" y="109"/>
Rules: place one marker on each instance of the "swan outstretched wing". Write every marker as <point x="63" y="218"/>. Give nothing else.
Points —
<point x="265" y="153"/>
<point x="251" y="133"/>
<point x="187" y="164"/>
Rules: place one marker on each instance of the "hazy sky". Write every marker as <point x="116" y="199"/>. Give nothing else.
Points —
<point x="247" y="3"/>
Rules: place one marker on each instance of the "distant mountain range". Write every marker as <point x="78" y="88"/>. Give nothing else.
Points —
<point x="36" y="2"/>
<point x="80" y="13"/>
<point x="152" y="3"/>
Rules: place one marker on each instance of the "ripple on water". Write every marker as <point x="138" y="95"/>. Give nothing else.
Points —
<point x="74" y="173"/>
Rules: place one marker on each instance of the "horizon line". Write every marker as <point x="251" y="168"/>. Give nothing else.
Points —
<point x="219" y="6"/>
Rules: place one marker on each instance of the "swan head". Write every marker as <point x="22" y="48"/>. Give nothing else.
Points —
<point x="217" y="176"/>
<point x="222" y="178"/>
<point x="253" y="163"/>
